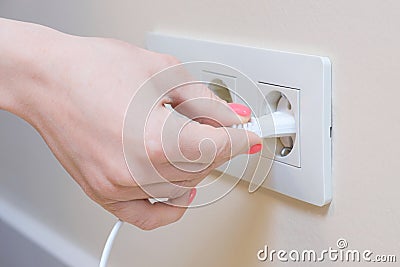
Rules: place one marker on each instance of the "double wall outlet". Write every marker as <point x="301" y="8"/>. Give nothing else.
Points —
<point x="298" y="165"/>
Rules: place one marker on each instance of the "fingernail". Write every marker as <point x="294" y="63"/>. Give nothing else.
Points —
<point x="192" y="195"/>
<point x="255" y="149"/>
<point x="240" y="109"/>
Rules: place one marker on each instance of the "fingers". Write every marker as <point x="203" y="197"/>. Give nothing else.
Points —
<point x="196" y="100"/>
<point x="199" y="103"/>
<point x="170" y="190"/>
<point x="147" y="216"/>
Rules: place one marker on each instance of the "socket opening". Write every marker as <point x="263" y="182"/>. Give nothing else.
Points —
<point x="220" y="89"/>
<point x="280" y="146"/>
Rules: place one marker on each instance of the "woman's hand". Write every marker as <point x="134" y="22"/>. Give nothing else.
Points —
<point x="75" y="92"/>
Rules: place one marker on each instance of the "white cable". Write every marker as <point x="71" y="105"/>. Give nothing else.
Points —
<point x="109" y="243"/>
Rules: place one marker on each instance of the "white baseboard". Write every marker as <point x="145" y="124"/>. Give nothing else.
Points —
<point x="45" y="238"/>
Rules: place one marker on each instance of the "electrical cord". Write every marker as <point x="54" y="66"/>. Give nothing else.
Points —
<point x="113" y="234"/>
<point x="109" y="243"/>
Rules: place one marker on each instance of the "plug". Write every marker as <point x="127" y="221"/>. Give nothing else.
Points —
<point x="275" y="124"/>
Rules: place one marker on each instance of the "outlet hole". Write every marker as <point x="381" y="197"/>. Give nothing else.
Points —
<point x="285" y="151"/>
<point x="220" y="89"/>
<point x="282" y="146"/>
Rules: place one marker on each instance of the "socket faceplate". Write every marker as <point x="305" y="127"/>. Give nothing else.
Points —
<point x="307" y="177"/>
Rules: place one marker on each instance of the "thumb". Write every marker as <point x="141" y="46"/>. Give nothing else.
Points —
<point x="239" y="141"/>
<point x="223" y="143"/>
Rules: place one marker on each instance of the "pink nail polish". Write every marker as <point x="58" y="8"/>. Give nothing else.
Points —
<point x="192" y="195"/>
<point x="240" y="109"/>
<point x="255" y="149"/>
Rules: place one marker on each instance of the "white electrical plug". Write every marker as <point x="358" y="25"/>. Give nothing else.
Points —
<point x="275" y="124"/>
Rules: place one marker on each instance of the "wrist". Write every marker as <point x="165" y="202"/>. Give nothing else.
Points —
<point x="27" y="56"/>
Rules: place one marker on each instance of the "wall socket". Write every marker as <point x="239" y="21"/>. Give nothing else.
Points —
<point x="279" y="98"/>
<point x="301" y="84"/>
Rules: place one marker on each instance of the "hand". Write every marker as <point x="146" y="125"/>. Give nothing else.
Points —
<point x="79" y="90"/>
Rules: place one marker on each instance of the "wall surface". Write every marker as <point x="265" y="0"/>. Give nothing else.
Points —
<point x="17" y="243"/>
<point x="362" y="40"/>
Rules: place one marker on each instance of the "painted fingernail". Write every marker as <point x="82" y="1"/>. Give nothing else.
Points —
<point x="192" y="195"/>
<point x="255" y="149"/>
<point x="240" y="109"/>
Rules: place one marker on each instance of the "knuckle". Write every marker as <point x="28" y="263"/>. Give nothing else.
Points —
<point x="104" y="189"/>
<point x="154" y="149"/>
<point x="105" y="183"/>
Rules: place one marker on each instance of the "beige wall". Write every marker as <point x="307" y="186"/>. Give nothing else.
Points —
<point x="362" y="40"/>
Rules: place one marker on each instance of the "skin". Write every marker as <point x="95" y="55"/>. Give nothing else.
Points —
<point x="74" y="91"/>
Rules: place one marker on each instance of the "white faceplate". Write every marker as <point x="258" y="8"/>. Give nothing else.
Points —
<point x="306" y="175"/>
